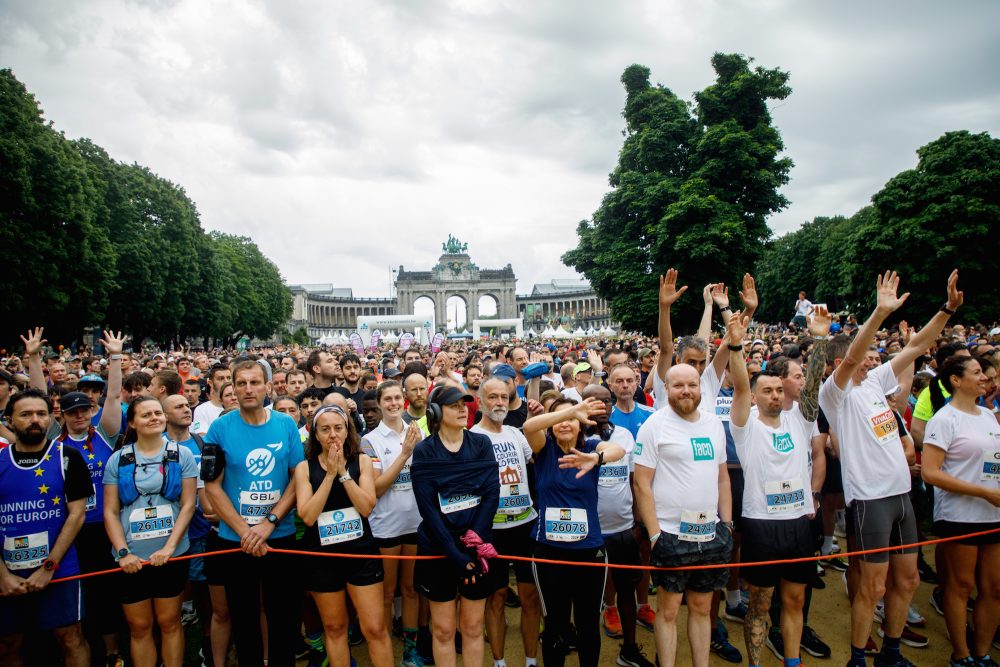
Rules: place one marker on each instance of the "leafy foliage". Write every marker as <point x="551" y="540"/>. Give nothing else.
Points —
<point x="92" y="241"/>
<point x="692" y="190"/>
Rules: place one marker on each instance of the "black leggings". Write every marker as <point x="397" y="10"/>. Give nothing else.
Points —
<point x="571" y="592"/>
<point x="275" y="578"/>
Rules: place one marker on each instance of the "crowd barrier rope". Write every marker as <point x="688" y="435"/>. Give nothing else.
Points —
<point x="715" y="566"/>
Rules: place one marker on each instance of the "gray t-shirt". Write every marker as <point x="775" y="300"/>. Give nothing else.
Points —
<point x="149" y="520"/>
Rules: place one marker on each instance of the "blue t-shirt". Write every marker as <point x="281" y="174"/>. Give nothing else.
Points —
<point x="631" y="421"/>
<point x="260" y="461"/>
<point x="200" y="527"/>
<point x="567" y="506"/>
<point x="149" y="520"/>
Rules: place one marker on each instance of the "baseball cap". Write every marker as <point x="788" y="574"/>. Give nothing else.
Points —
<point x="995" y="331"/>
<point x="91" y="378"/>
<point x="74" y="400"/>
<point x="582" y="367"/>
<point x="450" y="395"/>
<point x="504" y="371"/>
<point x="645" y="352"/>
<point x="391" y="373"/>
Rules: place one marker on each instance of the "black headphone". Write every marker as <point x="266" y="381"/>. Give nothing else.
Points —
<point x="434" y="410"/>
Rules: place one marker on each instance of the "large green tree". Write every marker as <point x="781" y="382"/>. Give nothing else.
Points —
<point x="692" y="189"/>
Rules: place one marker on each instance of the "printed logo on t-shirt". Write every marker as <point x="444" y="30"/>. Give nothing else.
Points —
<point x="638" y="448"/>
<point x="260" y="461"/>
<point x="702" y="449"/>
<point x="782" y="442"/>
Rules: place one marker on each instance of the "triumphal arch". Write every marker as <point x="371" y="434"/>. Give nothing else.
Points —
<point x="456" y="275"/>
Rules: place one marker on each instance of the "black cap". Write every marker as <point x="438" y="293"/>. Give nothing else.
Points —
<point x="74" y="400"/>
<point x="391" y="373"/>
<point x="449" y="395"/>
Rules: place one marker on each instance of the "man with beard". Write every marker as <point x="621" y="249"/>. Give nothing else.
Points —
<point x="473" y="376"/>
<point x="209" y="411"/>
<point x="325" y="370"/>
<point x="682" y="487"/>
<point x="414" y="382"/>
<point x="517" y="408"/>
<point x="350" y="367"/>
<point x="44" y="490"/>
<point x="512" y="525"/>
<point x="617" y="518"/>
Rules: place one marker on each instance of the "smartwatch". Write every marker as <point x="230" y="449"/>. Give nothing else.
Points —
<point x="272" y="518"/>
<point x="50" y="565"/>
<point x="344" y="479"/>
<point x="122" y="553"/>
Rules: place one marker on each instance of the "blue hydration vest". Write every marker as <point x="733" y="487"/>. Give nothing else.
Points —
<point x="171" y="485"/>
<point x="96" y="452"/>
<point x="33" y="512"/>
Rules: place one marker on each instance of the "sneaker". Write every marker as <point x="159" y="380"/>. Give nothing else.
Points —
<point x="721" y="647"/>
<point x="985" y="661"/>
<point x="612" y="622"/>
<point x="776" y="643"/>
<point x="879" y="612"/>
<point x="817" y="581"/>
<point x="914" y="619"/>
<point x="909" y="637"/>
<point x="838" y="564"/>
<point x="967" y="661"/>
<point x="645" y="616"/>
<point x="937" y="600"/>
<point x="901" y="662"/>
<point x="812" y="644"/>
<point x="189" y="616"/>
<point x="870" y="647"/>
<point x="927" y="573"/>
<point x="411" y="657"/>
<point x="303" y="649"/>
<point x="513" y="599"/>
<point x="737" y="613"/>
<point x="205" y="655"/>
<point x="114" y="660"/>
<point x="354" y="636"/>
<point x="632" y="656"/>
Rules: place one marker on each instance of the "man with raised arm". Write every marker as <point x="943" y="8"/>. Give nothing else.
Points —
<point x="875" y="469"/>
<point x="779" y="493"/>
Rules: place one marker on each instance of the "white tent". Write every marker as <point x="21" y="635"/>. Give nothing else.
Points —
<point x="548" y="332"/>
<point x="610" y="332"/>
<point x="579" y="333"/>
<point x="343" y="339"/>
<point x="561" y="333"/>
<point x="592" y="332"/>
<point x="390" y="337"/>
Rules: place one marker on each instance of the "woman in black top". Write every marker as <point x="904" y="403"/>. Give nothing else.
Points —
<point x="335" y="493"/>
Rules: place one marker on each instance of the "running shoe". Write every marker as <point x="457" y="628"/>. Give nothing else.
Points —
<point x="937" y="600"/>
<point x="967" y="661"/>
<point x="812" y="644"/>
<point x="838" y="564"/>
<point x="632" y="656"/>
<point x="927" y="573"/>
<point x="913" y="618"/>
<point x="737" y="613"/>
<point x="645" y="616"/>
<point x="880" y="611"/>
<point x="871" y="648"/>
<point x="721" y="647"/>
<point x="985" y="661"/>
<point x="303" y="649"/>
<point x="189" y="616"/>
<point x="411" y="656"/>
<point x="776" y="643"/>
<point x="354" y="636"/>
<point x="909" y="637"/>
<point x="900" y="662"/>
<point x="612" y="622"/>
<point x="513" y="599"/>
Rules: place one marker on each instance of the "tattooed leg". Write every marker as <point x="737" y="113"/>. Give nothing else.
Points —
<point x="755" y="624"/>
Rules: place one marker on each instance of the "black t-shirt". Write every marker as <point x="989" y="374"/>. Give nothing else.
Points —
<point x="75" y="471"/>
<point x="517" y="417"/>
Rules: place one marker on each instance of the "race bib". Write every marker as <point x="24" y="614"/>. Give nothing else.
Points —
<point x="784" y="496"/>
<point x="884" y="427"/>
<point x="256" y="505"/>
<point x="723" y="404"/>
<point x="91" y="502"/>
<point x="697" y="526"/>
<point x="514" y="499"/>
<point x="991" y="466"/>
<point x="404" y="482"/>
<point x="25" y="552"/>
<point x="146" y="523"/>
<point x="566" y="524"/>
<point x="340" y="525"/>
<point x="457" y="503"/>
<point x="613" y="474"/>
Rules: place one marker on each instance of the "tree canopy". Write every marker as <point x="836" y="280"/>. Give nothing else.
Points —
<point x="693" y="188"/>
<point x="95" y="242"/>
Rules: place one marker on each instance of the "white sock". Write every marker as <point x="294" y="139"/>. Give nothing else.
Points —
<point x="733" y="598"/>
<point x="531" y="662"/>
<point x="500" y="663"/>
<point x="827" y="545"/>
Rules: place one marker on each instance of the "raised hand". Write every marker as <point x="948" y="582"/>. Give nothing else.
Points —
<point x="33" y="342"/>
<point x="577" y="459"/>
<point x="720" y="295"/>
<point x="885" y="289"/>
<point x="669" y="293"/>
<point x="905" y="332"/>
<point x="113" y="343"/>
<point x="955" y="297"/>
<point x="749" y="294"/>
<point x="819" y="321"/>
<point x="736" y="328"/>
<point x="706" y="294"/>
<point x="582" y="412"/>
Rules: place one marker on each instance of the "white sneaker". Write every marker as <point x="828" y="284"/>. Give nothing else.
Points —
<point x="914" y="618"/>
<point x="879" y="611"/>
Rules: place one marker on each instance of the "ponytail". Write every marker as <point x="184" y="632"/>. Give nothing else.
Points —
<point x="953" y="366"/>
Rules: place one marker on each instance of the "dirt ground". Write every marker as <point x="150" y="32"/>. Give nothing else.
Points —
<point x="829" y="616"/>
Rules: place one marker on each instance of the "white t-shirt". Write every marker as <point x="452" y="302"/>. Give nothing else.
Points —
<point x="802" y="307"/>
<point x="555" y="379"/>
<point x="871" y="453"/>
<point x="711" y="383"/>
<point x="775" y="466"/>
<point x="395" y="512"/>
<point x="512" y="452"/>
<point x="204" y="415"/>
<point x="571" y="392"/>
<point x="614" y="489"/>
<point x="971" y="445"/>
<point x="686" y="457"/>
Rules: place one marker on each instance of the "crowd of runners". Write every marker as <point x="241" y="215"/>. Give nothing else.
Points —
<point x="737" y="443"/>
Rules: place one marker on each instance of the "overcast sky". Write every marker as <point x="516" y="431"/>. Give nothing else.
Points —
<point x="346" y="138"/>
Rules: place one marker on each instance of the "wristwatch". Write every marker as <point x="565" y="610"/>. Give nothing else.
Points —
<point x="50" y="565"/>
<point x="116" y="357"/>
<point x="945" y="309"/>
<point x="122" y="553"/>
<point x="272" y="518"/>
<point x="344" y="479"/>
